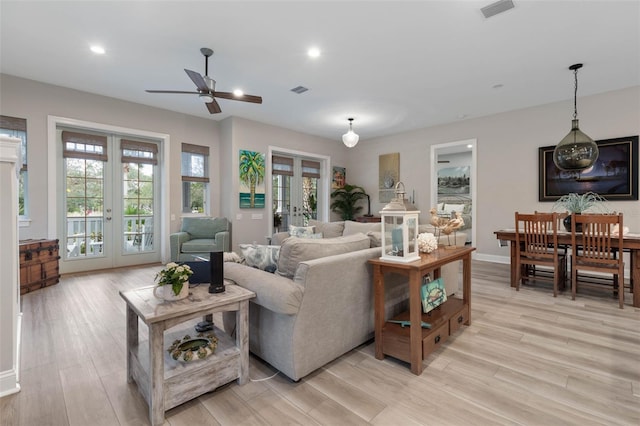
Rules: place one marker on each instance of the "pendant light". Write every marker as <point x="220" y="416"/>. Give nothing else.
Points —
<point x="576" y="151"/>
<point x="350" y="139"/>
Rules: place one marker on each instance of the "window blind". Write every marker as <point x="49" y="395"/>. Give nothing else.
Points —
<point x="84" y="145"/>
<point x="281" y="165"/>
<point x="139" y="152"/>
<point x="311" y="169"/>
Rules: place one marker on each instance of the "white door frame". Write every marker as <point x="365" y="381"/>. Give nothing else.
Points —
<point x="473" y="175"/>
<point x="53" y="190"/>
<point x="323" y="182"/>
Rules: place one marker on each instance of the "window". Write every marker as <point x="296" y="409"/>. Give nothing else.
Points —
<point x="195" y="178"/>
<point x="17" y="128"/>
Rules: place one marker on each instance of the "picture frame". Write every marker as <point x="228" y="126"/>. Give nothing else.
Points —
<point x="339" y="178"/>
<point x="614" y="175"/>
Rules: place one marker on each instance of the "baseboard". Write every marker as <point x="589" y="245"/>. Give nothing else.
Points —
<point x="10" y="379"/>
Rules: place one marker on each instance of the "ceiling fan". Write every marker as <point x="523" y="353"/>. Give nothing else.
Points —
<point x="207" y="88"/>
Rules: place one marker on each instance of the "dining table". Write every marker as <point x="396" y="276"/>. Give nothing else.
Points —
<point x="630" y="244"/>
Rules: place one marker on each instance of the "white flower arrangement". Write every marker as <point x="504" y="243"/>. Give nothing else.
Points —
<point x="427" y="242"/>
<point x="174" y="275"/>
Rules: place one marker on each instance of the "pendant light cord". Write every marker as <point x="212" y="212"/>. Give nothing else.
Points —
<point x="575" y="95"/>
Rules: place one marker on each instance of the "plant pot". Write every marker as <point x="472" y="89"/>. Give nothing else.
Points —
<point x="567" y="224"/>
<point x="165" y="292"/>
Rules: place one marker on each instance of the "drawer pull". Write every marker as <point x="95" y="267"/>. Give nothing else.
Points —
<point x="460" y="319"/>
<point x="437" y="339"/>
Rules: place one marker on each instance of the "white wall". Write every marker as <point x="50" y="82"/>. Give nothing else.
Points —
<point x="36" y="101"/>
<point x="507" y="150"/>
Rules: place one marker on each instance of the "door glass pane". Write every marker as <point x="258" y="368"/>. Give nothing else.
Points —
<point x="281" y="193"/>
<point x="309" y="199"/>
<point x="137" y="212"/>
<point x="84" y="189"/>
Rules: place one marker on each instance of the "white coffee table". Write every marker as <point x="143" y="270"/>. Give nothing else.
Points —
<point x="165" y="382"/>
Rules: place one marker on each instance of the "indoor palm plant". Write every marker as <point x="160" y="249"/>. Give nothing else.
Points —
<point x="580" y="203"/>
<point x="345" y="199"/>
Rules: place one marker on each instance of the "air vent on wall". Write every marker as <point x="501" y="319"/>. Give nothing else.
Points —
<point x="497" y="7"/>
<point x="299" y="89"/>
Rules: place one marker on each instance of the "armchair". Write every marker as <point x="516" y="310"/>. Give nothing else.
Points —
<point x="199" y="236"/>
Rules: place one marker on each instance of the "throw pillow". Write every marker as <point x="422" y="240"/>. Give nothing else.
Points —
<point x="231" y="257"/>
<point x="315" y="236"/>
<point x="261" y="257"/>
<point x="351" y="227"/>
<point x="296" y="250"/>
<point x="375" y="238"/>
<point x="454" y="207"/>
<point x="328" y="229"/>
<point x="298" y="231"/>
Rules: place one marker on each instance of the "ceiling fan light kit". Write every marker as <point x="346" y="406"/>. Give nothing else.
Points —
<point x="576" y="151"/>
<point x="206" y="88"/>
<point x="351" y="138"/>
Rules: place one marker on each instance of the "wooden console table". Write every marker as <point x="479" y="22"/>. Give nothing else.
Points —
<point x="165" y="382"/>
<point x="413" y="344"/>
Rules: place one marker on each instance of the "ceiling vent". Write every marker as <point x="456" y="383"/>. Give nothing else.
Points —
<point x="497" y="7"/>
<point x="299" y="89"/>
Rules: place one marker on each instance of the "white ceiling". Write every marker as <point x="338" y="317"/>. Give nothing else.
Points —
<point x="393" y="66"/>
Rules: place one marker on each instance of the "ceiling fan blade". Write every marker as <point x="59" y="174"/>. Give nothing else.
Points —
<point x="213" y="107"/>
<point x="198" y="80"/>
<point x="244" y="98"/>
<point x="172" y="91"/>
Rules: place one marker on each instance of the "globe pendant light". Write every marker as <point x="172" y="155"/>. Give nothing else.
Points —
<point x="576" y="151"/>
<point x="350" y="139"/>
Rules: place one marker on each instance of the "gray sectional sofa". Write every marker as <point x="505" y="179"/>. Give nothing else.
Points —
<point x="318" y="304"/>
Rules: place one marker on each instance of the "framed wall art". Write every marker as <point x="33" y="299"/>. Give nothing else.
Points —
<point x="614" y="175"/>
<point x="252" y="171"/>
<point x="339" y="177"/>
<point x="389" y="175"/>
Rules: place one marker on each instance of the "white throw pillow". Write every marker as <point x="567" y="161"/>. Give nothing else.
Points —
<point x="454" y="208"/>
<point x="299" y="231"/>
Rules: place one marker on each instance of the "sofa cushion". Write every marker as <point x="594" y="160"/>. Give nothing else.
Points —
<point x="200" y="245"/>
<point x="296" y="250"/>
<point x="260" y="256"/>
<point x="351" y="227"/>
<point x="299" y="231"/>
<point x="328" y="229"/>
<point x="204" y="227"/>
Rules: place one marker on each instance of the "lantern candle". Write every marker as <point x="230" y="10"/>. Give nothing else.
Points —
<point x="396" y="241"/>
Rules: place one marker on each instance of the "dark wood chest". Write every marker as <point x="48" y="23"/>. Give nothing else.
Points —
<point x="38" y="264"/>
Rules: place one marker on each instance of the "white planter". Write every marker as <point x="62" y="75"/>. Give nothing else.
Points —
<point x="165" y="292"/>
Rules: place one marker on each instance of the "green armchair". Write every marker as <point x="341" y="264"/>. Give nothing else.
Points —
<point x="199" y="236"/>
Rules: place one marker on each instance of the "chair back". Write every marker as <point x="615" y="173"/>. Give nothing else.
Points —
<point x="537" y="235"/>
<point x="598" y="244"/>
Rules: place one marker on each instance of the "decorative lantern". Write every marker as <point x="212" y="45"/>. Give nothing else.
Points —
<point x="400" y="229"/>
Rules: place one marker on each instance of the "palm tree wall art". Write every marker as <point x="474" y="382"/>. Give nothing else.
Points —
<point x="252" y="172"/>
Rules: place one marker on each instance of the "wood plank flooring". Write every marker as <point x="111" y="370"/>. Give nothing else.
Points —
<point x="527" y="359"/>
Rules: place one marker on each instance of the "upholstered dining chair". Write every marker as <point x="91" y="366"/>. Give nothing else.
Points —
<point x="537" y="245"/>
<point x="596" y="248"/>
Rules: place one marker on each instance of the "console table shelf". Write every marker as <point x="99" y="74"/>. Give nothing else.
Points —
<point x="413" y="344"/>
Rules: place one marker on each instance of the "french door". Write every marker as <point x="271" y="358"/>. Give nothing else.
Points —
<point x="109" y="200"/>
<point x="294" y="190"/>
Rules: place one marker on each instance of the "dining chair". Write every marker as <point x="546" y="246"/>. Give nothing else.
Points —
<point x="537" y="245"/>
<point x="596" y="248"/>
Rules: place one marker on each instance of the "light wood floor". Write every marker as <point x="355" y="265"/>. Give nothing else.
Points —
<point x="526" y="359"/>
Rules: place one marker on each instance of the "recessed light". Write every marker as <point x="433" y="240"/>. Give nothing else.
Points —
<point x="98" y="49"/>
<point x="238" y="93"/>
<point x="469" y="146"/>
<point x="314" y="52"/>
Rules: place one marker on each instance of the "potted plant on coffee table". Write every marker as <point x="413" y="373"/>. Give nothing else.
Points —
<point x="589" y="202"/>
<point x="173" y="282"/>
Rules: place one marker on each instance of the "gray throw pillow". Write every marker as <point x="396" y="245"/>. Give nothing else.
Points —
<point x="328" y="229"/>
<point x="260" y="256"/>
<point x="296" y="250"/>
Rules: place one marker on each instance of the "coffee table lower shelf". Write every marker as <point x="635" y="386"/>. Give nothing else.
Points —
<point x="184" y="381"/>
